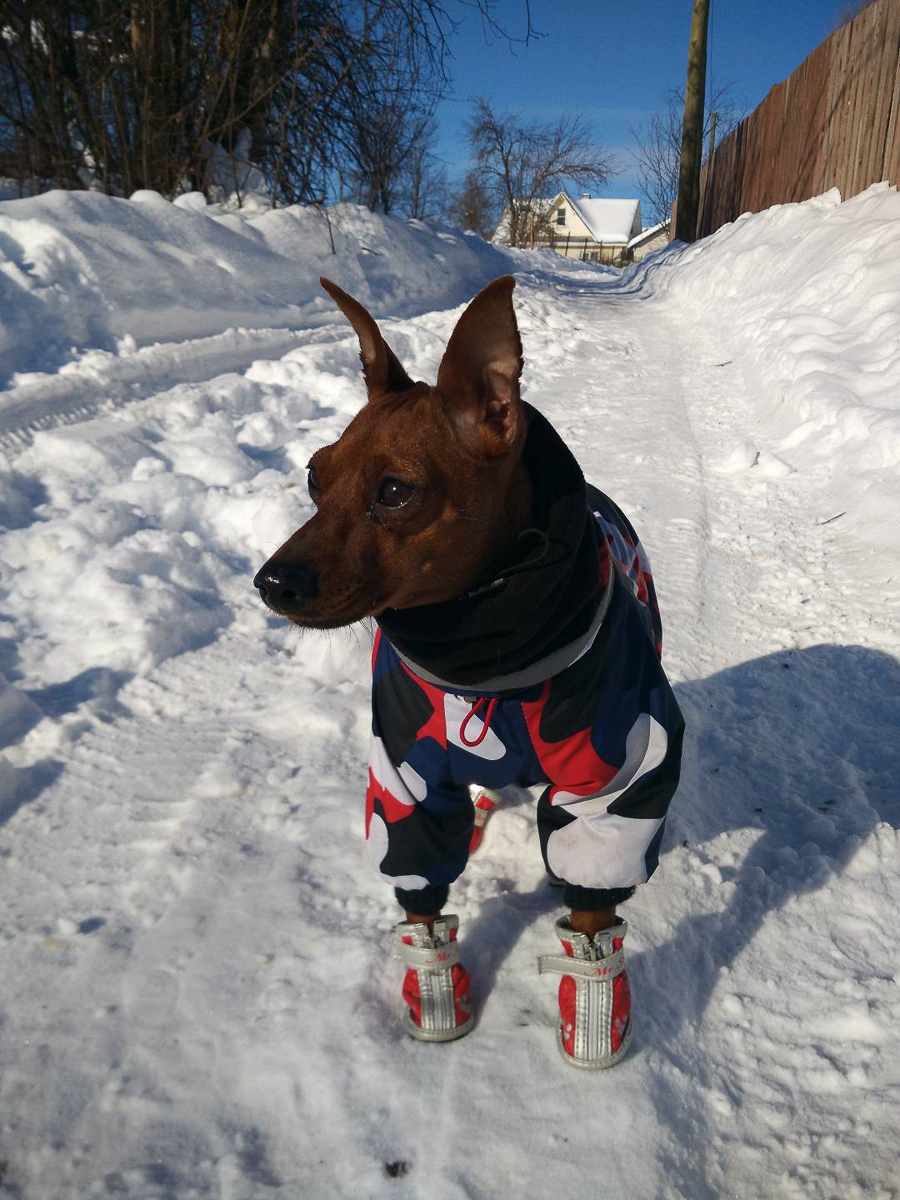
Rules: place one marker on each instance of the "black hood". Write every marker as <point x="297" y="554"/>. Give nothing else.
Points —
<point x="540" y="594"/>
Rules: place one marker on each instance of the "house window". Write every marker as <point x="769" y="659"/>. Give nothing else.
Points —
<point x="560" y="216"/>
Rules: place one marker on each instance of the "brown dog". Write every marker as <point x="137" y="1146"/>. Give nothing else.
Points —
<point x="455" y="516"/>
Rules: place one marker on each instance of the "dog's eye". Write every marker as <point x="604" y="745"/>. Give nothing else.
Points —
<point x="394" y="493"/>
<point x="312" y="481"/>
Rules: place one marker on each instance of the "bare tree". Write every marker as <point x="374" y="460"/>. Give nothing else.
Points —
<point x="125" y="94"/>
<point x="522" y="163"/>
<point x="424" y="179"/>
<point x="122" y="95"/>
<point x="389" y="117"/>
<point x="470" y="206"/>
<point x="657" y="151"/>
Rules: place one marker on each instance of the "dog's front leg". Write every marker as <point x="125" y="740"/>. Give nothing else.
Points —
<point x="591" y="923"/>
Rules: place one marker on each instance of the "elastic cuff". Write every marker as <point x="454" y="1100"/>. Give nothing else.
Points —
<point x="583" y="899"/>
<point x="424" y="902"/>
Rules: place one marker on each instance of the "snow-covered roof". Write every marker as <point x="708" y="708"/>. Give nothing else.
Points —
<point x="610" y="221"/>
<point x="646" y="234"/>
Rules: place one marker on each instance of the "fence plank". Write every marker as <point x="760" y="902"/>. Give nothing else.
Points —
<point x="834" y="117"/>
<point x="842" y="109"/>
<point x="881" y="85"/>
<point x="892" y="137"/>
<point x="835" y="122"/>
<point x="870" y="55"/>
<point x="856" y="115"/>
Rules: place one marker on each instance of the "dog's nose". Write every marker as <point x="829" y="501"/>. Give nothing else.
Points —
<point x="285" y="588"/>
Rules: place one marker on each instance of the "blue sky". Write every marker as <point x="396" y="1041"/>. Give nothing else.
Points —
<point x="615" y="62"/>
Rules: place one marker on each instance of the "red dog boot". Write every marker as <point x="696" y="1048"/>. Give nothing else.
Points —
<point x="485" y="802"/>
<point x="594" y="996"/>
<point x="436" y="986"/>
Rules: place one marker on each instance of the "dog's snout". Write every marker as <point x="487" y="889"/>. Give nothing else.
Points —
<point x="284" y="588"/>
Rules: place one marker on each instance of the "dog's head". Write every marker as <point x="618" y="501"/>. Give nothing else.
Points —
<point x="424" y="486"/>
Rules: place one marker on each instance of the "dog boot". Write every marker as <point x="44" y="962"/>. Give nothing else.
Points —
<point x="594" y="995"/>
<point x="485" y="802"/>
<point x="436" y="986"/>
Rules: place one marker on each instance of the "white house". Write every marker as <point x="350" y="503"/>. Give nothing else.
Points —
<point x="598" y="230"/>
<point x="649" y="240"/>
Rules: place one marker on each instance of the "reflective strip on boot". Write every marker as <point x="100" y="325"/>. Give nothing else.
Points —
<point x="593" y="1019"/>
<point x="423" y="957"/>
<point x="437" y="1012"/>
<point x="586" y="968"/>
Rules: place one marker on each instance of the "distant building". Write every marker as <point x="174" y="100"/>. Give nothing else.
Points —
<point x="649" y="240"/>
<point x="597" y="230"/>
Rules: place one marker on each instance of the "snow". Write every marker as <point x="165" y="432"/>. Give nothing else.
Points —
<point x="197" y="993"/>
<point x="609" y="220"/>
<point x="85" y="271"/>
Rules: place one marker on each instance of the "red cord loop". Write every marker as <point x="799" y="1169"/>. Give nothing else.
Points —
<point x="489" y="712"/>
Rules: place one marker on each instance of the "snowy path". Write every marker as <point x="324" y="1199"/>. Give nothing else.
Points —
<point x="198" y="997"/>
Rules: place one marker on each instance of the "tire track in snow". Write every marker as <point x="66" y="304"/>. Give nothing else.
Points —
<point x="99" y="380"/>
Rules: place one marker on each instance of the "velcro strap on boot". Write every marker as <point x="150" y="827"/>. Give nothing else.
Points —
<point x="584" y="968"/>
<point x="424" y="957"/>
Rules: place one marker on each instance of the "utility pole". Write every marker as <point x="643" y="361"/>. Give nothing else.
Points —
<point x="692" y="130"/>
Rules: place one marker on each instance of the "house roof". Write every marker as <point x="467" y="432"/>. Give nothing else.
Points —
<point x="647" y="234"/>
<point x="608" y="220"/>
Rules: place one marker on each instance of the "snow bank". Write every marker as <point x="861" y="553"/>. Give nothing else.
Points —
<point x="180" y="792"/>
<point x="147" y="519"/>
<point x="809" y="295"/>
<point x="83" y="270"/>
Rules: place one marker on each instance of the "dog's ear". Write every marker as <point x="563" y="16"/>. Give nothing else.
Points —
<point x="381" y="367"/>
<point x="479" y="373"/>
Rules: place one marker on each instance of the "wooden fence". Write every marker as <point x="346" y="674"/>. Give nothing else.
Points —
<point x="835" y="122"/>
